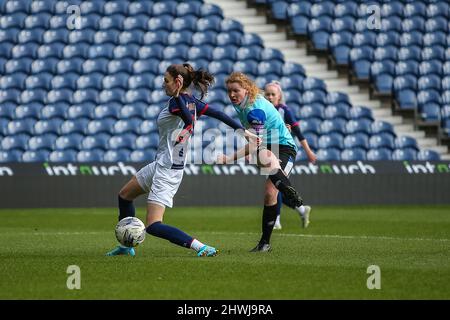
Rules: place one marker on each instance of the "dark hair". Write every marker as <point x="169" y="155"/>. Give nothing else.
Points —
<point x="200" y="78"/>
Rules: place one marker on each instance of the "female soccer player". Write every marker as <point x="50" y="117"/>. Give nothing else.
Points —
<point x="254" y="111"/>
<point x="274" y="93"/>
<point x="162" y="177"/>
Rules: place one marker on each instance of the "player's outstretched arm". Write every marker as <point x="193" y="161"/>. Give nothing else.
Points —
<point x="240" y="153"/>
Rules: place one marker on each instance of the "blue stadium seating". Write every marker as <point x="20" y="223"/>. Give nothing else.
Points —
<point x="67" y="92"/>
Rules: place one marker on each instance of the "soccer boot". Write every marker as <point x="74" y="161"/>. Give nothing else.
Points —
<point x="292" y="197"/>
<point x="207" y="251"/>
<point x="262" y="247"/>
<point x="119" y="251"/>
<point x="305" y="216"/>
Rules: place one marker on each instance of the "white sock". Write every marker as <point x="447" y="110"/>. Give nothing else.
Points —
<point x="278" y="219"/>
<point x="301" y="210"/>
<point x="196" y="245"/>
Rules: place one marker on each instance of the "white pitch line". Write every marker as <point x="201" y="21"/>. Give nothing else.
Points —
<point x="338" y="236"/>
<point x="333" y="236"/>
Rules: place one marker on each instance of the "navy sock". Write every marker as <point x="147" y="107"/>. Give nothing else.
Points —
<point x="170" y="233"/>
<point x="280" y="202"/>
<point x="268" y="220"/>
<point x="126" y="208"/>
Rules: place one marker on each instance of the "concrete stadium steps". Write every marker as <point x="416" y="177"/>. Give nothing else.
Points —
<point x="296" y="52"/>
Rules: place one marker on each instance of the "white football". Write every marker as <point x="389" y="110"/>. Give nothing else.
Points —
<point x="130" y="231"/>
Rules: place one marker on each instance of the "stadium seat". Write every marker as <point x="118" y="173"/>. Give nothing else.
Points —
<point x="379" y="126"/>
<point x="100" y="126"/>
<point x="126" y="126"/>
<point x="147" y="126"/>
<point x="35" y="156"/>
<point x="116" y="155"/>
<point x="134" y="110"/>
<point x="13" y="81"/>
<point x="353" y="154"/>
<point x="92" y="7"/>
<point x="124" y="141"/>
<point x="47" y="126"/>
<point x="358" y="112"/>
<point x="45" y="141"/>
<point x="152" y="112"/>
<point x="99" y="141"/>
<point x="404" y="154"/>
<point x="358" y="140"/>
<point x="68" y="81"/>
<point x="329" y="154"/>
<point x="94" y="155"/>
<point x="430" y="112"/>
<point x="10" y="95"/>
<point x="429" y="82"/>
<point x="30" y="110"/>
<point x="379" y="154"/>
<point x="358" y="126"/>
<point x="74" y="126"/>
<point x="113" y="22"/>
<point x="146" y="155"/>
<point x="140" y="81"/>
<point x="403" y="142"/>
<point x="63" y="156"/>
<point x="428" y="155"/>
<point x="24" y="126"/>
<point x="80" y="111"/>
<point x="147" y="141"/>
<point x="71" y="141"/>
<point x="378" y="141"/>
<point x="15" y="142"/>
<point x="336" y="112"/>
<point x="432" y="66"/>
<point x="335" y="140"/>
<point x="10" y="156"/>
<point x="30" y="22"/>
<point x="228" y="39"/>
<point x="311" y="126"/>
<point x="209" y="9"/>
<point x="7" y="111"/>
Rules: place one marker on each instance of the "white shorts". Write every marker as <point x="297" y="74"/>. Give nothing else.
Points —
<point x="160" y="182"/>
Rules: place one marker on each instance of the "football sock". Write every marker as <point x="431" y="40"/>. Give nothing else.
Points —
<point x="300" y="209"/>
<point x="196" y="245"/>
<point x="268" y="220"/>
<point x="170" y="233"/>
<point x="280" y="181"/>
<point x="126" y="208"/>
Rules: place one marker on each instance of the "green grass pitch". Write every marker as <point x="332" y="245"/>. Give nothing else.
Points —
<point x="329" y="260"/>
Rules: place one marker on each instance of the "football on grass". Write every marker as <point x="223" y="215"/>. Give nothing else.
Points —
<point x="130" y="232"/>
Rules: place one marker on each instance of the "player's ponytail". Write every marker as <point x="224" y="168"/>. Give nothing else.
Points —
<point x="201" y="79"/>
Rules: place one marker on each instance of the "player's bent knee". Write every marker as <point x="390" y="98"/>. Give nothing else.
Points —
<point x="131" y="190"/>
